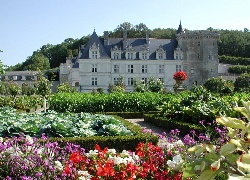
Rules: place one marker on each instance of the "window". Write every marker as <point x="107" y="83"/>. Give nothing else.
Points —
<point x="199" y="43"/>
<point x="177" y="56"/>
<point x="198" y="56"/>
<point x="130" y="68"/>
<point x="178" y="68"/>
<point x="94" y="67"/>
<point x="144" y="56"/>
<point x="160" y="56"/>
<point x="209" y="57"/>
<point x="144" y="80"/>
<point x="94" y="81"/>
<point x="116" y="56"/>
<point x="116" y="68"/>
<point x="130" y="55"/>
<point x="144" y="68"/>
<point x="116" y="81"/>
<point x="192" y="70"/>
<point x="94" y="54"/>
<point x="130" y="81"/>
<point x="161" y="68"/>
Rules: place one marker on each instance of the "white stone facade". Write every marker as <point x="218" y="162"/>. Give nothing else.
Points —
<point x="106" y="59"/>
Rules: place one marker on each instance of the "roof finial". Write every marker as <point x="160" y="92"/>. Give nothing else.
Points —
<point x="94" y="29"/>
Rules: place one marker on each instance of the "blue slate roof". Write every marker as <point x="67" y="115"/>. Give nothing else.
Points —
<point x="168" y="46"/>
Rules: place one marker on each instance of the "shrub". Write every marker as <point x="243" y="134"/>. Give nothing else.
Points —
<point x="242" y="83"/>
<point x="219" y="85"/>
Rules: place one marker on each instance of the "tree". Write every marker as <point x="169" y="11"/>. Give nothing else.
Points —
<point x="36" y="62"/>
<point x="65" y="87"/>
<point x="14" y="89"/>
<point x="43" y="88"/>
<point x="242" y="83"/>
<point x="152" y="85"/>
<point x="118" y="87"/>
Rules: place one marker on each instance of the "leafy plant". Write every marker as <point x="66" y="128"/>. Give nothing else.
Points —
<point x="232" y="157"/>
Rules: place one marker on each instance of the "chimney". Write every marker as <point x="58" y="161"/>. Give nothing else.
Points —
<point x="106" y="37"/>
<point x="124" y="39"/>
<point x="147" y="37"/>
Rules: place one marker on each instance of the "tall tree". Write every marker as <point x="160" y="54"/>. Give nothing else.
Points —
<point x="36" y="62"/>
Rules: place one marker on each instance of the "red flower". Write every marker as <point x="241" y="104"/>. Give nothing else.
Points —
<point x="66" y="170"/>
<point x="106" y="170"/>
<point x="76" y="158"/>
<point x="180" y="75"/>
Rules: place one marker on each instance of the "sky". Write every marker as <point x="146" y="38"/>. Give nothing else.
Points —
<point x="27" y="25"/>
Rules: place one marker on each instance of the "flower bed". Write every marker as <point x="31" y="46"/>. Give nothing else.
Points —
<point x="27" y="158"/>
<point x="54" y="124"/>
<point x="83" y="129"/>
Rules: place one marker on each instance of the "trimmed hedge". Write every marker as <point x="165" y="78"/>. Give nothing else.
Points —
<point x="170" y="124"/>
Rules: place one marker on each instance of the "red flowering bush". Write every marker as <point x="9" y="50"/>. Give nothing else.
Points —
<point x="180" y="75"/>
<point x="148" y="162"/>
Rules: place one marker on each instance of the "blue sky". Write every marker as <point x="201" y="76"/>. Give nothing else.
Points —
<point x="26" y="25"/>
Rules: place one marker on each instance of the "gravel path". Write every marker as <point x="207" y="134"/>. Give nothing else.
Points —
<point x="151" y="128"/>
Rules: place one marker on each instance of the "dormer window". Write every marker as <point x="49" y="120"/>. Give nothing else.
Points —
<point x="130" y="52"/>
<point x="116" y="52"/>
<point x="94" y="54"/>
<point x="94" y="51"/>
<point x="178" y="54"/>
<point x="160" y="53"/>
<point x="144" y="55"/>
<point x="144" y="52"/>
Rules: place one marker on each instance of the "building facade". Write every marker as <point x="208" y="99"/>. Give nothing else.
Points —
<point x="105" y="60"/>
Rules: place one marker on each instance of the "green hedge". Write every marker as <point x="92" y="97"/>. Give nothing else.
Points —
<point x="114" y="102"/>
<point x="234" y="60"/>
<point x="170" y="124"/>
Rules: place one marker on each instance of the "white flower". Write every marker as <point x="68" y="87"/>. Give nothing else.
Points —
<point x="92" y="153"/>
<point x="84" y="175"/>
<point x="179" y="143"/>
<point x="29" y="139"/>
<point x="58" y="165"/>
<point x="113" y="151"/>
<point x="1" y="140"/>
<point x="176" y="163"/>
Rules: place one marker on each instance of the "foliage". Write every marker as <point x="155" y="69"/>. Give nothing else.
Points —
<point x="65" y="87"/>
<point x="239" y="69"/>
<point x="209" y="158"/>
<point x="152" y="86"/>
<point x="219" y="85"/>
<point x="54" y="124"/>
<point x="13" y="88"/>
<point x="234" y="60"/>
<point x="147" y="162"/>
<point x="43" y="86"/>
<point x="2" y="71"/>
<point x="28" y="90"/>
<point x="180" y="75"/>
<point x="24" y="157"/>
<point x="242" y="83"/>
<point x="234" y="43"/>
<point x="113" y="102"/>
<point x="118" y="87"/>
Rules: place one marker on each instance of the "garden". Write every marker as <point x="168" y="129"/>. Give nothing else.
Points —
<point x="85" y="135"/>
